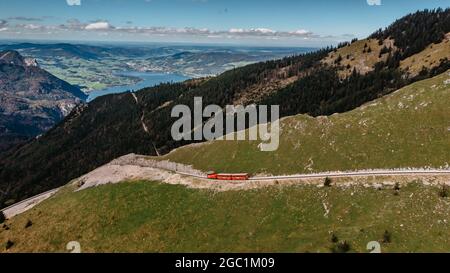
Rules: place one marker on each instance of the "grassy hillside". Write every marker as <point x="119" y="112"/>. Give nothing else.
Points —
<point x="152" y="217"/>
<point x="361" y="56"/>
<point x="409" y="128"/>
<point x="428" y="58"/>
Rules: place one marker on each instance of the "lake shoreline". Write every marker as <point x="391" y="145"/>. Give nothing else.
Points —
<point x="146" y="80"/>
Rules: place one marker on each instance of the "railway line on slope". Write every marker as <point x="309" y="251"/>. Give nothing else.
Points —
<point x="27" y="204"/>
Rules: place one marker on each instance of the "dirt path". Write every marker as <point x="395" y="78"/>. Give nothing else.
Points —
<point x="27" y="204"/>
<point x="144" y="126"/>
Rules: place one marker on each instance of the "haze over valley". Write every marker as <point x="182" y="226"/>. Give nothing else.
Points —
<point x="95" y="67"/>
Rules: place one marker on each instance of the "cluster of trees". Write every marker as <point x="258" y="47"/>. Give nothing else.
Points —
<point x="322" y="92"/>
<point x="414" y="32"/>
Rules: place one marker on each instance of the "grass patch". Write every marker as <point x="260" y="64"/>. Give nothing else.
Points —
<point x="153" y="217"/>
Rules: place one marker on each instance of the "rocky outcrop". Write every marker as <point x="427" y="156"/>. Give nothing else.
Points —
<point x="31" y="100"/>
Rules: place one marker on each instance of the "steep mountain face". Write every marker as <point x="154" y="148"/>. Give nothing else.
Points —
<point x="91" y="135"/>
<point x="318" y="83"/>
<point x="31" y="99"/>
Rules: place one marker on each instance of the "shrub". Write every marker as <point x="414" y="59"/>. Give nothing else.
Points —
<point x="385" y="50"/>
<point x="341" y="247"/>
<point x="334" y="239"/>
<point x="386" y="237"/>
<point x="80" y="184"/>
<point x="9" y="244"/>
<point x="443" y="192"/>
<point x="327" y="182"/>
<point x="338" y="60"/>
<point x="28" y="224"/>
<point x="396" y="189"/>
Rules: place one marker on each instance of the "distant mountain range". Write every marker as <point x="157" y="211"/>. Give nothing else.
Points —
<point x="98" y="51"/>
<point x="95" y="67"/>
<point x="31" y="100"/>
<point x="320" y="83"/>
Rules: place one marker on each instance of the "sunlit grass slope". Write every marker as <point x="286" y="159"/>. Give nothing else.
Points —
<point x="408" y="128"/>
<point x="153" y="217"/>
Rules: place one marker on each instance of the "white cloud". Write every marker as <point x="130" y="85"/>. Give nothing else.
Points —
<point x="32" y="26"/>
<point x="267" y="32"/>
<point x="236" y="30"/>
<point x="98" y="26"/>
<point x="300" y="32"/>
<point x="103" y="27"/>
<point x="262" y="30"/>
<point x="374" y="2"/>
<point x="73" y="2"/>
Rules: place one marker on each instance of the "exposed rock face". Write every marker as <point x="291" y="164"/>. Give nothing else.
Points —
<point x="31" y="99"/>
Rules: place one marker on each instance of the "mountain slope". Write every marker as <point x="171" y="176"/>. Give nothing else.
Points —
<point x="408" y="128"/>
<point x="31" y="99"/>
<point x="431" y="57"/>
<point x="303" y="84"/>
<point x="144" y="216"/>
<point x="90" y="136"/>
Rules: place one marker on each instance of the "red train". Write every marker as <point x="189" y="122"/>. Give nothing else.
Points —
<point x="228" y="176"/>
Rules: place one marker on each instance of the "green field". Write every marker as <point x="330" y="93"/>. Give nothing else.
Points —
<point x="152" y="217"/>
<point x="408" y="128"/>
<point x="90" y="75"/>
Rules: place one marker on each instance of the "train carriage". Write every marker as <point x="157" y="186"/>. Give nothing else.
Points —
<point x="228" y="176"/>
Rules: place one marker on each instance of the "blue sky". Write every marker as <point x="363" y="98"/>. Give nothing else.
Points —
<point x="253" y="22"/>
